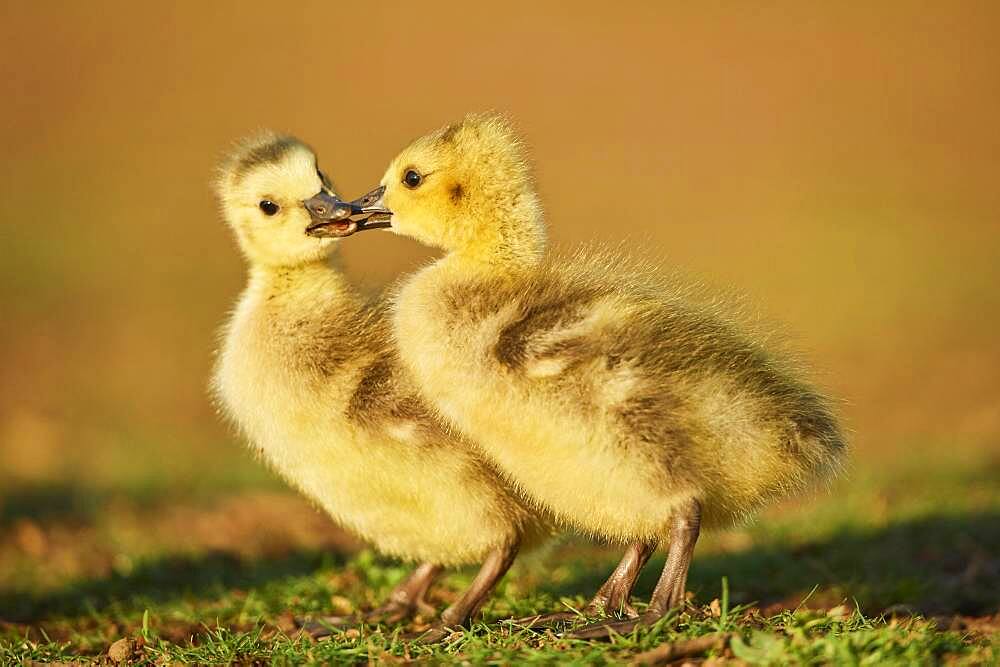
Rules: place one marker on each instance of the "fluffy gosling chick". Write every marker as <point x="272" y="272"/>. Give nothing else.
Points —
<point x="308" y="374"/>
<point x="605" y="396"/>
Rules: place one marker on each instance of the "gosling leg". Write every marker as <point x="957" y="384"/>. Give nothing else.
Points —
<point x="613" y="597"/>
<point x="465" y="608"/>
<point x="670" y="589"/>
<point x="406" y="600"/>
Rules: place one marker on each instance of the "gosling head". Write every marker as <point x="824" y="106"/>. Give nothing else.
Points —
<point x="263" y="186"/>
<point x="466" y="188"/>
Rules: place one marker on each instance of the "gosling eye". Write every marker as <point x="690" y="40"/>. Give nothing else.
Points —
<point x="412" y="178"/>
<point x="269" y="207"/>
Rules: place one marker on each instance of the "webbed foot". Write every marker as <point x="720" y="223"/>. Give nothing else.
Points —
<point x="435" y="634"/>
<point x="604" y="629"/>
<point x="542" y="621"/>
<point x="405" y="602"/>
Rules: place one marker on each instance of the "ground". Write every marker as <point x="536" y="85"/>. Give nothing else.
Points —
<point x="888" y="565"/>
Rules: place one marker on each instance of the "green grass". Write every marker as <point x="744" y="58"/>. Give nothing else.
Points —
<point x="891" y="566"/>
<point x="800" y="637"/>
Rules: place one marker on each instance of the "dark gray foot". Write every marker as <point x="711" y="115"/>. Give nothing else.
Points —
<point x="405" y="602"/>
<point x="613" y="598"/>
<point x="435" y="634"/>
<point x="556" y="618"/>
<point x="326" y="625"/>
<point x="670" y="589"/>
<point x="604" y="629"/>
<point x="464" y="609"/>
<point x="388" y="614"/>
<point x="542" y="621"/>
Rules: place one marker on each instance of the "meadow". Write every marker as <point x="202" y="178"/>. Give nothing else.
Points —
<point x="869" y="573"/>
<point x="836" y="165"/>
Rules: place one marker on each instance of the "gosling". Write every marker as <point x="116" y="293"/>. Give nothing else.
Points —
<point x="308" y="374"/>
<point x="594" y="385"/>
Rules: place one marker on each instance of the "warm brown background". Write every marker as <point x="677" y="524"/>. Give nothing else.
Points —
<point x="840" y="165"/>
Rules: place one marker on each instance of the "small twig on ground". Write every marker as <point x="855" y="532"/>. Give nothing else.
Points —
<point x="684" y="649"/>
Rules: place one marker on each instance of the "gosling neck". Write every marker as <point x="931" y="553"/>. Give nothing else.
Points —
<point x="505" y="255"/>
<point x="319" y="274"/>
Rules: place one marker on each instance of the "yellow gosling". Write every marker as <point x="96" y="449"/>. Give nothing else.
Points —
<point x="308" y="374"/>
<point x="602" y="392"/>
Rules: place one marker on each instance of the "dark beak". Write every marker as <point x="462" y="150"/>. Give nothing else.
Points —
<point x="331" y="216"/>
<point x="369" y="212"/>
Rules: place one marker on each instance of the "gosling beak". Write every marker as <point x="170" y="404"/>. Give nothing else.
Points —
<point x="331" y="216"/>
<point x="369" y="212"/>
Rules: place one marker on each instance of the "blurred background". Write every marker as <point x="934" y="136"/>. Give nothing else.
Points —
<point x="837" y="163"/>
